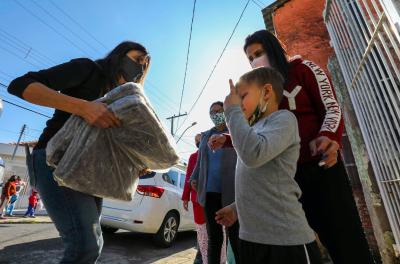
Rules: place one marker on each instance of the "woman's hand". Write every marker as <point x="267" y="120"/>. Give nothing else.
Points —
<point x="232" y="98"/>
<point x="216" y="141"/>
<point x="186" y="205"/>
<point x="227" y="216"/>
<point x="327" y="148"/>
<point x="97" y="114"/>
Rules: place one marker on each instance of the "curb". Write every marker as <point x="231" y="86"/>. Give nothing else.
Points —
<point x="21" y="220"/>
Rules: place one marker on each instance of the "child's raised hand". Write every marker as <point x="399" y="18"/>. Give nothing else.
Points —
<point x="216" y="141"/>
<point x="232" y="98"/>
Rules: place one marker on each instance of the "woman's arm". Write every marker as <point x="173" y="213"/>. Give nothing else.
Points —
<point x="94" y="113"/>
<point x="323" y="97"/>
<point x="45" y="88"/>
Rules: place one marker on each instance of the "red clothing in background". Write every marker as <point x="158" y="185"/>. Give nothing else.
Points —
<point x="309" y="95"/>
<point x="9" y="189"/>
<point x="32" y="200"/>
<point x="190" y="195"/>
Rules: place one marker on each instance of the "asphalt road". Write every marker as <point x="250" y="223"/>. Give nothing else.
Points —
<point x="40" y="243"/>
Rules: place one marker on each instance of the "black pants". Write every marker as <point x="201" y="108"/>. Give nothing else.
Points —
<point x="331" y="212"/>
<point x="215" y="233"/>
<point x="254" y="253"/>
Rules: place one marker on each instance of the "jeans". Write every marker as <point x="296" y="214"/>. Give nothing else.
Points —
<point x="30" y="211"/>
<point x="10" y="207"/>
<point x="76" y="215"/>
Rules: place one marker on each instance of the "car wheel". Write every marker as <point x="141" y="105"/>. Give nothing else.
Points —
<point x="108" y="229"/>
<point x="168" y="231"/>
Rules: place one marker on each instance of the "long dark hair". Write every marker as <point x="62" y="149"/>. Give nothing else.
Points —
<point x="111" y="64"/>
<point x="273" y="47"/>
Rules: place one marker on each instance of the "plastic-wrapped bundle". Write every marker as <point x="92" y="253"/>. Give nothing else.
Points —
<point x="107" y="162"/>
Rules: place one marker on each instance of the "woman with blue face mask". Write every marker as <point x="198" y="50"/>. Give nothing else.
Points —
<point x="214" y="180"/>
<point x="70" y="88"/>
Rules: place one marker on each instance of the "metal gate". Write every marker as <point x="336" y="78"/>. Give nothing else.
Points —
<point x="366" y="42"/>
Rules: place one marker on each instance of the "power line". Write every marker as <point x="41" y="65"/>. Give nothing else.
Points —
<point x="26" y="50"/>
<point x="21" y="50"/>
<point x="51" y="27"/>
<point x="5" y="95"/>
<point x="160" y="91"/>
<point x="25" y="46"/>
<point x="216" y="64"/>
<point x="153" y="96"/>
<point x="25" y="108"/>
<point x="188" y="143"/>
<point x="257" y="4"/>
<point x="7" y="78"/>
<point x="22" y="107"/>
<point x="262" y="3"/>
<point x="187" y="58"/>
<point x="65" y="26"/>
<point x="76" y="23"/>
<point x="16" y="55"/>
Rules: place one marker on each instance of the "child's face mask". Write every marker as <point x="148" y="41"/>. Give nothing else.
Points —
<point x="261" y="61"/>
<point x="260" y="109"/>
<point x="218" y="118"/>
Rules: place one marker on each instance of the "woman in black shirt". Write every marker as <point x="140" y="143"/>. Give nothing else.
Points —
<point x="70" y="88"/>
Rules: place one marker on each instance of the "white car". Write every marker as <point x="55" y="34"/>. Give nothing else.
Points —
<point x="156" y="208"/>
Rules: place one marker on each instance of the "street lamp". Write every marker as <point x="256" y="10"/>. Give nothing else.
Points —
<point x="192" y="125"/>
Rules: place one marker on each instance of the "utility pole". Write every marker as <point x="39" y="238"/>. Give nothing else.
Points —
<point x="172" y="118"/>
<point x="19" y="140"/>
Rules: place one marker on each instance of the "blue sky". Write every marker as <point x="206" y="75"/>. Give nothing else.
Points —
<point x="43" y="29"/>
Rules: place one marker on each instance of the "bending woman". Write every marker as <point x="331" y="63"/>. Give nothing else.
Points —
<point x="70" y="88"/>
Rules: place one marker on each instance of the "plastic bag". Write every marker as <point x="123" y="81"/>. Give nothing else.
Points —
<point x="106" y="162"/>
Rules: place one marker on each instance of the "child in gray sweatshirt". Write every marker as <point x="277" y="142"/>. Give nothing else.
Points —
<point x="273" y="226"/>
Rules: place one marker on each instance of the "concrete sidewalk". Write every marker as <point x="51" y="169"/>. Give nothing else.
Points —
<point x="18" y="218"/>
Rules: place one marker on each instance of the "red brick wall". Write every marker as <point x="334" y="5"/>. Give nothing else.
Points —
<point x="299" y="24"/>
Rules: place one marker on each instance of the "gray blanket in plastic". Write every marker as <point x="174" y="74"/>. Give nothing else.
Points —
<point x="106" y="162"/>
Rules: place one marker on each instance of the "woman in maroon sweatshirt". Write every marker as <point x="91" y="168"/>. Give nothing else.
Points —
<point x="327" y="196"/>
<point x="326" y="193"/>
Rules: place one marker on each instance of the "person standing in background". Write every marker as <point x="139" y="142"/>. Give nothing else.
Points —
<point x="214" y="180"/>
<point x="198" y="211"/>
<point x="20" y="184"/>
<point x="8" y="190"/>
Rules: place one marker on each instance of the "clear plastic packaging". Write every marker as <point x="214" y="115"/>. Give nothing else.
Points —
<point x="106" y="162"/>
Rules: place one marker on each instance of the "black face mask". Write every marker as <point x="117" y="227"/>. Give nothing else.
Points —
<point x="131" y="70"/>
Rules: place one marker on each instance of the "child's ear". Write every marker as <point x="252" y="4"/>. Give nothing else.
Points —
<point x="268" y="91"/>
